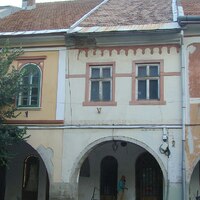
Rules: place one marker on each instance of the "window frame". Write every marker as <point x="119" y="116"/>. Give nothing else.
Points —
<point x="134" y="98"/>
<point x="101" y="65"/>
<point x="39" y="84"/>
<point x="147" y="78"/>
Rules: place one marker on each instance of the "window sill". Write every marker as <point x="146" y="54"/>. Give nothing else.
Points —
<point x="29" y="108"/>
<point x="100" y="103"/>
<point x="147" y="102"/>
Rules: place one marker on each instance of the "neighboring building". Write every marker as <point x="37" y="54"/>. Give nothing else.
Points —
<point x="190" y="21"/>
<point x="7" y="10"/>
<point x="105" y="97"/>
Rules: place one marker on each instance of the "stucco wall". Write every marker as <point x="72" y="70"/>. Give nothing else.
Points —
<point x="169" y="113"/>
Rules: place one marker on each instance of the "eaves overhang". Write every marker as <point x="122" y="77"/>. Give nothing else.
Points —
<point x="124" y="35"/>
<point x="22" y="37"/>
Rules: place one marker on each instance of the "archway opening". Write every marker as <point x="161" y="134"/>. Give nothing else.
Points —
<point x="194" y="186"/>
<point x="26" y="174"/>
<point x="113" y="159"/>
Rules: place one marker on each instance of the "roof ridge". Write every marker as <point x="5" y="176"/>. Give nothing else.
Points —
<point x="86" y="15"/>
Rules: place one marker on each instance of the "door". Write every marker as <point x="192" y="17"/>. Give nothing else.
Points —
<point x="30" y="178"/>
<point x="108" y="179"/>
<point x="149" y="178"/>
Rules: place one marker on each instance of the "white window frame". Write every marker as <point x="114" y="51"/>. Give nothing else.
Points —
<point x="100" y="80"/>
<point x="19" y="105"/>
<point x="147" y="78"/>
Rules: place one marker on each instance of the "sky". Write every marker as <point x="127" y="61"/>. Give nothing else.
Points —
<point x="18" y="3"/>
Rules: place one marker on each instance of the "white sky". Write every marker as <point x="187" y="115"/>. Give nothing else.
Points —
<point x="18" y="3"/>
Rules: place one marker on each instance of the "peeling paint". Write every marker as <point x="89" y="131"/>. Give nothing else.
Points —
<point x="190" y="141"/>
<point x="47" y="155"/>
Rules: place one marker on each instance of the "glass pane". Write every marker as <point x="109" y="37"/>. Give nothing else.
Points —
<point x="142" y="88"/>
<point x="153" y="71"/>
<point x="34" y="91"/>
<point x="106" y="90"/>
<point x="24" y="101"/>
<point x="25" y="80"/>
<point x="106" y="73"/>
<point x="35" y="80"/>
<point x="34" y="100"/>
<point x="95" y="73"/>
<point x="153" y="87"/>
<point x="95" y="91"/>
<point x="142" y="71"/>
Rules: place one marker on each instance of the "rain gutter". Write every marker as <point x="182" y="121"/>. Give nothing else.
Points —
<point x="188" y="19"/>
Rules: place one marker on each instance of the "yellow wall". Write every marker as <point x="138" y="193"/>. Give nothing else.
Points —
<point x="47" y="111"/>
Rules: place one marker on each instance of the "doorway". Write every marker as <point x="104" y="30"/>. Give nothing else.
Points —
<point x="149" y="178"/>
<point x="108" y="178"/>
<point x="2" y="181"/>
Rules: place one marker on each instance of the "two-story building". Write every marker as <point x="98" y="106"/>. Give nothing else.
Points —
<point x="105" y="97"/>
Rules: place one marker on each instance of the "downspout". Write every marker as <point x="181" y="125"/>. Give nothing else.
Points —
<point x="183" y="80"/>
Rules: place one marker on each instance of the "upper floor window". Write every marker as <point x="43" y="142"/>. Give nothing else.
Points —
<point x="101" y="83"/>
<point x="147" y="81"/>
<point x="30" y="85"/>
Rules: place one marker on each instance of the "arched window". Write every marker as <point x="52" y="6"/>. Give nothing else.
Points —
<point x="30" y="85"/>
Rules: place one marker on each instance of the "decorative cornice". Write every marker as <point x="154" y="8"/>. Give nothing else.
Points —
<point x="133" y="48"/>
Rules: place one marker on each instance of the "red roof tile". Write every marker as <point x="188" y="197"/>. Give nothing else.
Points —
<point x="48" y="16"/>
<point x="191" y="7"/>
<point x="131" y="12"/>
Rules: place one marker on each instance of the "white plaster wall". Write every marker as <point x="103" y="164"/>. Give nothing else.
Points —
<point x="78" y="144"/>
<point x="126" y="158"/>
<point x="123" y="113"/>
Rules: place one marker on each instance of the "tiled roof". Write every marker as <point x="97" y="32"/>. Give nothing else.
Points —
<point x="131" y="12"/>
<point x="48" y="16"/>
<point x="191" y="7"/>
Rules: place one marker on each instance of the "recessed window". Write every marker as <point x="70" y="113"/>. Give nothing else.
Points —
<point x="100" y="83"/>
<point x="30" y="86"/>
<point x="147" y="82"/>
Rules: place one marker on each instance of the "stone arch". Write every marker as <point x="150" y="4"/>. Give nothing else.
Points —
<point x="83" y="155"/>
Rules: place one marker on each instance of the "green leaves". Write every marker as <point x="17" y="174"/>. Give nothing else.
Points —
<point x="10" y="78"/>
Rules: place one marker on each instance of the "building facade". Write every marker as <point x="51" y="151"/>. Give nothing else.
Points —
<point x="107" y="96"/>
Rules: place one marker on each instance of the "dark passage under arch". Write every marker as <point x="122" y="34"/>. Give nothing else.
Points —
<point x="149" y="178"/>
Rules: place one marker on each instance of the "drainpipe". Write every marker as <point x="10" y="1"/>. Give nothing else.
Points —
<point x="183" y="79"/>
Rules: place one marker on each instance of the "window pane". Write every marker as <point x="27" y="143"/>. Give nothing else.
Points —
<point x="25" y="101"/>
<point x="35" y="80"/>
<point x="95" y="91"/>
<point x="142" y="89"/>
<point x="34" y="100"/>
<point x="153" y="87"/>
<point x="106" y="73"/>
<point x="153" y="71"/>
<point x="95" y="73"/>
<point x="106" y="91"/>
<point x="34" y="91"/>
<point x="142" y="71"/>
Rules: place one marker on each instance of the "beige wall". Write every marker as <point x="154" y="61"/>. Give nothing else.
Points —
<point x="47" y="111"/>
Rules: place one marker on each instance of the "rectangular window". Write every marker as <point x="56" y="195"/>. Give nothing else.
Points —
<point x="100" y="83"/>
<point x="148" y="81"/>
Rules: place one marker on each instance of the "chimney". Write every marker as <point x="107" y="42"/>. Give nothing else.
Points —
<point x="28" y="4"/>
